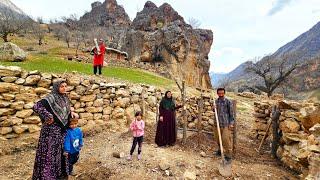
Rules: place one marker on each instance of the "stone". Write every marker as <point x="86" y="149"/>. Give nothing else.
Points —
<point x="203" y="154"/>
<point x="191" y="125"/>
<point x="97" y="116"/>
<point x="10" y="71"/>
<point x="8" y="97"/>
<point x="9" y="79"/>
<point x="43" y="82"/>
<point x="135" y="89"/>
<point x="314" y="148"/>
<point x="122" y="93"/>
<point x="259" y="115"/>
<point x="293" y="137"/>
<point x="189" y="175"/>
<point x="24" y="113"/>
<point x="311" y="119"/>
<point x="135" y="98"/>
<point x="87" y="116"/>
<point x="5" y="130"/>
<point x="33" y="128"/>
<point x="315" y="130"/>
<point x="118" y="154"/>
<point x="130" y="111"/>
<point x="88" y="98"/>
<point x="4" y="104"/>
<point x="123" y="102"/>
<point x="74" y="81"/>
<point x="32" y="80"/>
<point x="152" y="101"/>
<point x="46" y="75"/>
<point x="164" y="165"/>
<point x="98" y="103"/>
<point x="29" y="105"/>
<point x="118" y="113"/>
<point x="20" y="81"/>
<point x="82" y="122"/>
<point x="8" y="87"/>
<point x="41" y="90"/>
<point x="19" y="129"/>
<point x="32" y="120"/>
<point x="6" y="111"/>
<point x="94" y="109"/>
<point x="289" y="126"/>
<point x="107" y="110"/>
<point x="74" y="96"/>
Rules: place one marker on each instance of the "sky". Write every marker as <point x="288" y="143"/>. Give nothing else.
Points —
<point x="242" y="29"/>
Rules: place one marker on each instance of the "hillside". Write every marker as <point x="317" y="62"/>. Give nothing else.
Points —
<point x="304" y="49"/>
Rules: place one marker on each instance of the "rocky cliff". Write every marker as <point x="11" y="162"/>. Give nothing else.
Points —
<point x="157" y="34"/>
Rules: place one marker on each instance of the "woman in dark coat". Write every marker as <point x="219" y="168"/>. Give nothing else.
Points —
<point x="55" y="112"/>
<point x="166" y="128"/>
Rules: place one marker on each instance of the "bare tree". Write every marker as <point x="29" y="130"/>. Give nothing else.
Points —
<point x="38" y="32"/>
<point x="11" y="22"/>
<point x="195" y="23"/>
<point x="77" y="37"/>
<point x="40" y="20"/>
<point x="225" y="82"/>
<point x="66" y="34"/>
<point x="272" y="71"/>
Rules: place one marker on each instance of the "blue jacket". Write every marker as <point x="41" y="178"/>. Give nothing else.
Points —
<point x="73" y="140"/>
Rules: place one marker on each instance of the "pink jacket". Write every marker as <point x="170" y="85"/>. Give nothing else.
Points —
<point x="137" y="128"/>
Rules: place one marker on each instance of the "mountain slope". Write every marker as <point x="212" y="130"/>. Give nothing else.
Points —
<point x="304" y="49"/>
<point x="8" y="4"/>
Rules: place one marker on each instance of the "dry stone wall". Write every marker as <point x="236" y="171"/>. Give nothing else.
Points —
<point x="100" y="104"/>
<point x="300" y="134"/>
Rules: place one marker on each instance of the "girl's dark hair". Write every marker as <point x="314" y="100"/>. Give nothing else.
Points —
<point x="138" y="113"/>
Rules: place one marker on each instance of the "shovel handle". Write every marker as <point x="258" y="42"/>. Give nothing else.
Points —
<point x="218" y="127"/>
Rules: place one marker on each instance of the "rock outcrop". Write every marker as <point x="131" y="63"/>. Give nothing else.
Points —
<point x="156" y="35"/>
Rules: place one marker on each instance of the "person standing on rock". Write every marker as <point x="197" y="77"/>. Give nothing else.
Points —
<point x="166" y="128"/>
<point x="55" y="112"/>
<point x="226" y="121"/>
<point x="98" y="57"/>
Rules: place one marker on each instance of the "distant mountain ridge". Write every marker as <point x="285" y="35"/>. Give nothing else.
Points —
<point x="304" y="48"/>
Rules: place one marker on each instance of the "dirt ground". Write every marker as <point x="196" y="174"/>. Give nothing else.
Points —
<point x="96" y="160"/>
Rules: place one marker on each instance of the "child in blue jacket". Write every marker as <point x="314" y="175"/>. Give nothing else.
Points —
<point x="72" y="145"/>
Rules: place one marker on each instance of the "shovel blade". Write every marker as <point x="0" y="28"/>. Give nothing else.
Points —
<point x="225" y="169"/>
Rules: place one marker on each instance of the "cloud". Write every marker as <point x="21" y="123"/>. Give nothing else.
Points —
<point x="278" y="5"/>
<point x="315" y="11"/>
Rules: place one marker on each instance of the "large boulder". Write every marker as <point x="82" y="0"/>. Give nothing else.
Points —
<point x="11" y="52"/>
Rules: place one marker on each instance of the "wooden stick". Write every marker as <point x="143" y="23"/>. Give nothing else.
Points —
<point x="234" y="144"/>
<point x="218" y="127"/>
<point x="264" y="137"/>
<point x="195" y="130"/>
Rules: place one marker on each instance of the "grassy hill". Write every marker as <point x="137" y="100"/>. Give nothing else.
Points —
<point x="50" y="58"/>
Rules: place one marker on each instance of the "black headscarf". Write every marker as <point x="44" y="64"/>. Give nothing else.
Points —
<point x="59" y="103"/>
<point x="167" y="103"/>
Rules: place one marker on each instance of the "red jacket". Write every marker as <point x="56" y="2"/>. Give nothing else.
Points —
<point x="98" y="59"/>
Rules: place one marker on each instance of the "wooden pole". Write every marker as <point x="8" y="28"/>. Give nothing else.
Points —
<point x="200" y="109"/>
<point x="275" y="129"/>
<point x="234" y="144"/>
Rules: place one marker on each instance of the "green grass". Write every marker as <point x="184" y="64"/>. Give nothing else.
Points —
<point x="47" y="63"/>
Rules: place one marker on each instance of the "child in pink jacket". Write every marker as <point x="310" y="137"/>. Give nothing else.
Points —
<point x="137" y="128"/>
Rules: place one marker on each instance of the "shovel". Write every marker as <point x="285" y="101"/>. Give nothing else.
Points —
<point x="224" y="167"/>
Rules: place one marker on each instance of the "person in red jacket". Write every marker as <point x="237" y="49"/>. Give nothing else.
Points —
<point x="98" y="57"/>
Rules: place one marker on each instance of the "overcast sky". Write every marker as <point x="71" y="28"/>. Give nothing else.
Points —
<point x="243" y="29"/>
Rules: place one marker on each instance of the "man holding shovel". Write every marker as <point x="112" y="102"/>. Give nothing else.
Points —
<point x="225" y="116"/>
